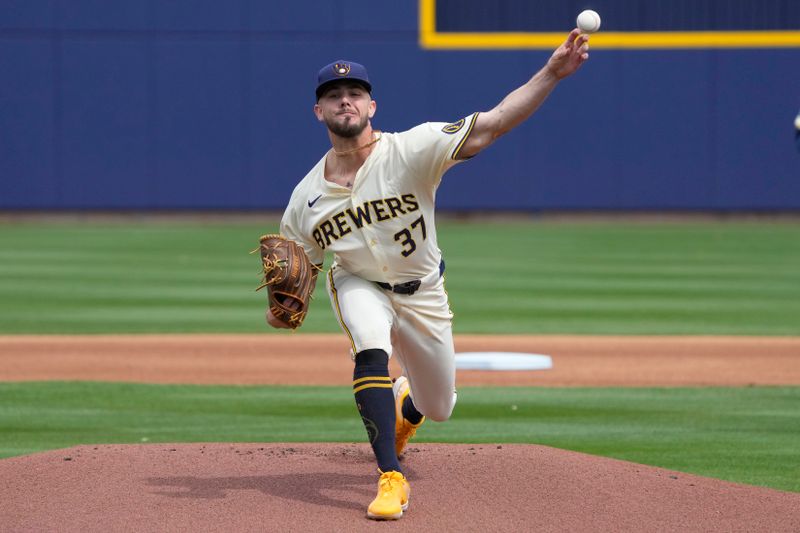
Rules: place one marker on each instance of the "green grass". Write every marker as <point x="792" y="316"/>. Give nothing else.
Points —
<point x="604" y="278"/>
<point x="747" y="435"/>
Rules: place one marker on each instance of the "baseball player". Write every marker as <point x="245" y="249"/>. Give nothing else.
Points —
<point x="370" y="201"/>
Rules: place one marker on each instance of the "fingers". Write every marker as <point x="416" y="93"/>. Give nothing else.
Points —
<point x="576" y="40"/>
<point x="572" y="36"/>
<point x="581" y="46"/>
<point x="272" y="321"/>
<point x="570" y="55"/>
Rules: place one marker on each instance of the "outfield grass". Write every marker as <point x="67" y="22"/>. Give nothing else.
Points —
<point x="747" y="435"/>
<point x="606" y="278"/>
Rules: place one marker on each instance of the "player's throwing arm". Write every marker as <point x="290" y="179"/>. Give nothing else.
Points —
<point x="524" y="101"/>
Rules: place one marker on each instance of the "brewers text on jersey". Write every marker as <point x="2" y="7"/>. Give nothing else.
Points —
<point x="337" y="226"/>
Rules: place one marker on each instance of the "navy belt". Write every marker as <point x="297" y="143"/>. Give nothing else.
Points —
<point x="409" y="287"/>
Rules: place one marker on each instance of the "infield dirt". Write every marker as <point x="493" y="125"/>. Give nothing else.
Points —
<point x="301" y="359"/>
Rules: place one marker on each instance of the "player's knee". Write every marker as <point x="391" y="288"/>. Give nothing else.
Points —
<point x="440" y="415"/>
<point x="441" y="411"/>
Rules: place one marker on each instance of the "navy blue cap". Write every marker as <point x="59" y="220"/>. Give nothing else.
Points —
<point x="342" y="70"/>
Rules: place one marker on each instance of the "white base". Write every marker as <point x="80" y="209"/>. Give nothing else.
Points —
<point x="502" y="361"/>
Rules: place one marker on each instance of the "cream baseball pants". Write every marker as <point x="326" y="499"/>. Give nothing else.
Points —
<point x="416" y="329"/>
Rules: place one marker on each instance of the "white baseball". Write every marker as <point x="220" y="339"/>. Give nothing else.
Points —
<point x="588" y="21"/>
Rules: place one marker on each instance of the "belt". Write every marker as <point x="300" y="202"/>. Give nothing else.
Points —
<point x="409" y="287"/>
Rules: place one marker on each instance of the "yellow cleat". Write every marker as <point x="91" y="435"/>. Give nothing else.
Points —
<point x="392" y="498"/>
<point x="403" y="429"/>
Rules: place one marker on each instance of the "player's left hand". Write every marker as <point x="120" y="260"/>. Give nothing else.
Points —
<point x="568" y="57"/>
<point x="275" y="322"/>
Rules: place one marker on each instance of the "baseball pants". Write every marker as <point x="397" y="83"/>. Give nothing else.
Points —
<point x="416" y="329"/>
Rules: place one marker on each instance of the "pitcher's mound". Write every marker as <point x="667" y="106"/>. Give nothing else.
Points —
<point x="326" y="487"/>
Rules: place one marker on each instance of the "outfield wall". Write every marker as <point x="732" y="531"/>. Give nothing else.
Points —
<point x="134" y="104"/>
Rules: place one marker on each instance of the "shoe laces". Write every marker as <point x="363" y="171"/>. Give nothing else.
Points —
<point x="388" y="479"/>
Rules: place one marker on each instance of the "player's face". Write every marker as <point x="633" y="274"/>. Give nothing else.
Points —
<point x="345" y="109"/>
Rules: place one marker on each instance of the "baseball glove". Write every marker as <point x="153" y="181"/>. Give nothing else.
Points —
<point x="290" y="276"/>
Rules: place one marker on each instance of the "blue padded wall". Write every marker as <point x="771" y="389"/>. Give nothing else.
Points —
<point x="141" y="104"/>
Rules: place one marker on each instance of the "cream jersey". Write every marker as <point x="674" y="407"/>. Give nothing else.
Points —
<point x="382" y="229"/>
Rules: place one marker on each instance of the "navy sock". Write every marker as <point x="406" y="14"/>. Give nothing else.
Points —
<point x="410" y="412"/>
<point x="372" y="388"/>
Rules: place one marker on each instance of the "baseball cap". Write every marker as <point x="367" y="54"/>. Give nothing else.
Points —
<point x="342" y="70"/>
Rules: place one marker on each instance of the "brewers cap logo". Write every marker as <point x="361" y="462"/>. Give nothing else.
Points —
<point x="341" y="69"/>
<point x="454" y="127"/>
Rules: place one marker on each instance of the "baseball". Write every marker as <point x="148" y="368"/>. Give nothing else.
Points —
<point x="588" y="21"/>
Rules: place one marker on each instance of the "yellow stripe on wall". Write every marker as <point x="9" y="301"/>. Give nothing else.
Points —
<point x="430" y="38"/>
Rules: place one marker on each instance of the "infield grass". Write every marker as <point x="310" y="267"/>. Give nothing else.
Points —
<point x="747" y="435"/>
<point x="525" y="277"/>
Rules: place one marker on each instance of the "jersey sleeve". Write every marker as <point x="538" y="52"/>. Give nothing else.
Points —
<point x="291" y="229"/>
<point x="433" y="148"/>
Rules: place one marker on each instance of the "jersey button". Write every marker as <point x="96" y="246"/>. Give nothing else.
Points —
<point x="373" y="242"/>
<point x="385" y="269"/>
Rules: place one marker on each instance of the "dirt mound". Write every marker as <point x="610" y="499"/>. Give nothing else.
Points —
<point x="326" y="487"/>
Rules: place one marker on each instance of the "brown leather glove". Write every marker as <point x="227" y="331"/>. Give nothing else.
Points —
<point x="290" y="276"/>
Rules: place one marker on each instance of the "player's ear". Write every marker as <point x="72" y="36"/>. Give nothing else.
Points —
<point x="372" y="108"/>
<point x="318" y="112"/>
